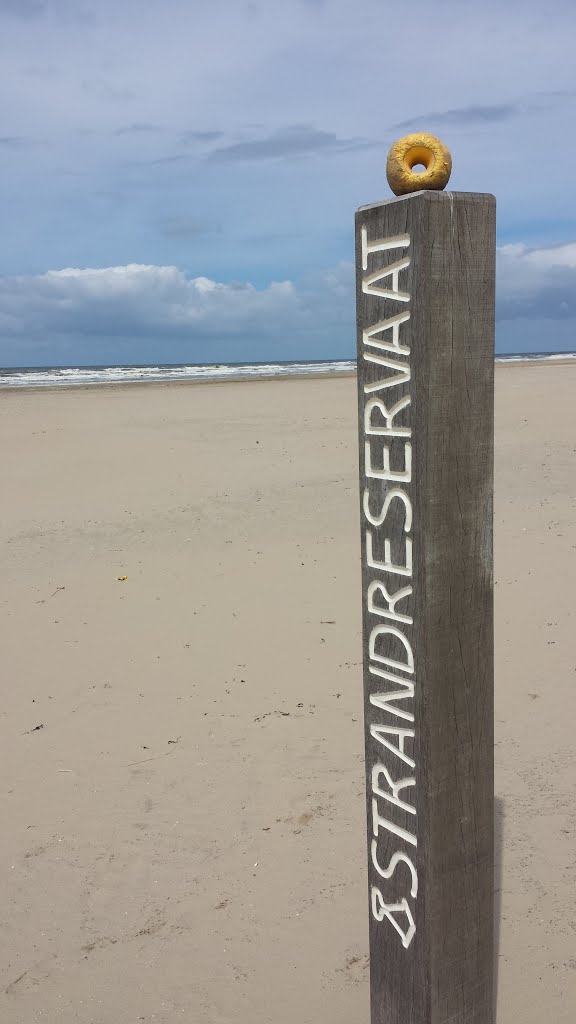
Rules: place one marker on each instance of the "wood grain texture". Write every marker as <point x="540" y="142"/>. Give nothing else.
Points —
<point x="443" y="974"/>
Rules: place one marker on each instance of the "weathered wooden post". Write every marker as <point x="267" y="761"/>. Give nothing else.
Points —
<point x="425" y="266"/>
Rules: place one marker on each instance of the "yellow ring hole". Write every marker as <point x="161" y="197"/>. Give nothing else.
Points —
<point x="418" y="155"/>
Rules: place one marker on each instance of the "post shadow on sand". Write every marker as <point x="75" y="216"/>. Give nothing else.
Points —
<point x="499" y="826"/>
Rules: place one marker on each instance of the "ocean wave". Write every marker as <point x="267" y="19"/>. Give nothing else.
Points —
<point x="535" y="357"/>
<point x="83" y="376"/>
<point x="69" y="376"/>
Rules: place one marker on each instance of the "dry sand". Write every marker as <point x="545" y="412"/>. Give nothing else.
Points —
<point x="183" y="811"/>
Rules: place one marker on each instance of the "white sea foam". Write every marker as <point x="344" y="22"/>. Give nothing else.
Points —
<point x="535" y="357"/>
<point x="70" y="376"/>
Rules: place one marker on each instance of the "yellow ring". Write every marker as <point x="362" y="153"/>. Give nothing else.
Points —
<point x="420" y="148"/>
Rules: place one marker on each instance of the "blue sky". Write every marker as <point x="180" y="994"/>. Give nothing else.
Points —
<point x="178" y="178"/>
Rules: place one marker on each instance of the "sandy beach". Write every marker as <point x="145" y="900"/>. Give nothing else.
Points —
<point x="182" y="742"/>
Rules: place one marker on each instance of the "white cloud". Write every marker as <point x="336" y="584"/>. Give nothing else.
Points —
<point x="553" y="258"/>
<point x="140" y="298"/>
<point x="537" y="282"/>
<point x="137" y="306"/>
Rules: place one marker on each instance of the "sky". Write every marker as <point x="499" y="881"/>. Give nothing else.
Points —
<point x="178" y="178"/>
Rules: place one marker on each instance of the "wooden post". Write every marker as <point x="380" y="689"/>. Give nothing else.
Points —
<point x="425" y="301"/>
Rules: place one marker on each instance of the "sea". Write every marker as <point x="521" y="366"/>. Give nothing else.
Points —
<point x="83" y="376"/>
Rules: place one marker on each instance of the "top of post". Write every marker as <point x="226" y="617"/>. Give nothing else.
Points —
<point x="434" y="197"/>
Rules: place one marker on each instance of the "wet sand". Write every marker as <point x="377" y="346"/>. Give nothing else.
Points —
<point x="183" y="801"/>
